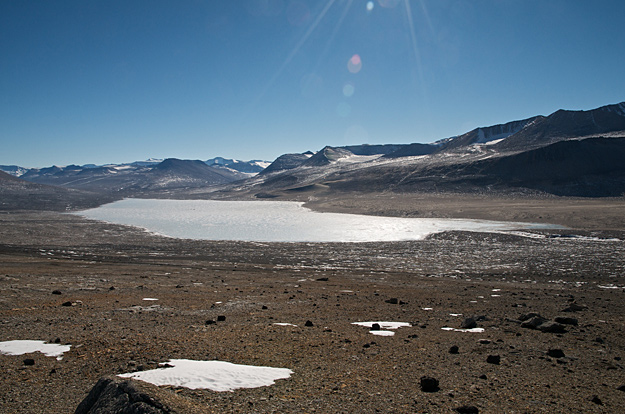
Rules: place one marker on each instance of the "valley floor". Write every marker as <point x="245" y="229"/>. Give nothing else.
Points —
<point x="85" y="284"/>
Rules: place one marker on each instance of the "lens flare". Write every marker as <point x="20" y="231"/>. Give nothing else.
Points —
<point x="370" y="6"/>
<point x="348" y="90"/>
<point x="354" y="64"/>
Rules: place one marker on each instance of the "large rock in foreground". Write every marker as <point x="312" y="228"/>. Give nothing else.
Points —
<point x="127" y="396"/>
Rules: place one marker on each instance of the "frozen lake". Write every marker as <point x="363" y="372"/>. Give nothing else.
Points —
<point x="276" y="221"/>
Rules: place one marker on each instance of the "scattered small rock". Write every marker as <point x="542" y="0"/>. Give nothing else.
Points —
<point x="29" y="361"/>
<point x="56" y="292"/>
<point x="555" y="353"/>
<point x="308" y="323"/>
<point x="621" y="388"/>
<point x="484" y="341"/>
<point x="68" y="303"/>
<point x="322" y="279"/>
<point x="210" y="322"/>
<point x="375" y="327"/>
<point x="453" y="349"/>
<point x="493" y="359"/>
<point x="221" y="318"/>
<point x="392" y="301"/>
<point x="467" y="409"/>
<point x="112" y="288"/>
<point x="429" y="384"/>
<point x="596" y="400"/>
<point x="483" y="376"/>
<point x="264" y="307"/>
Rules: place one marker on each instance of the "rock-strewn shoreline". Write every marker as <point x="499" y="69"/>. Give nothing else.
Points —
<point x="500" y="281"/>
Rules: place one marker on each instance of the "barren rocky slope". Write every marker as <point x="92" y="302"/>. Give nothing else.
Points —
<point x="104" y="272"/>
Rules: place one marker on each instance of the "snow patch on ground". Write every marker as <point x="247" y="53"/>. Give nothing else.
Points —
<point x="477" y="330"/>
<point x="383" y="325"/>
<point x="610" y="286"/>
<point x="20" y="347"/>
<point x="382" y="333"/>
<point x="212" y="375"/>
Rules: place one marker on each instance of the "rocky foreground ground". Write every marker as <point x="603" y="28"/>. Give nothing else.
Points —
<point x="552" y="309"/>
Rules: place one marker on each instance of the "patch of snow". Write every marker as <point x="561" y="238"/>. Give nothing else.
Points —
<point x="383" y="325"/>
<point x="610" y="286"/>
<point x="427" y="309"/>
<point x="150" y="299"/>
<point x="284" y="324"/>
<point x="493" y="142"/>
<point x="455" y="314"/>
<point x="352" y="159"/>
<point x="382" y="333"/>
<point x="20" y="347"/>
<point x="477" y="330"/>
<point x="212" y="375"/>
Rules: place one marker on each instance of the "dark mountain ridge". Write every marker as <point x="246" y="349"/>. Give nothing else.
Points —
<point x="577" y="153"/>
<point x="565" y="124"/>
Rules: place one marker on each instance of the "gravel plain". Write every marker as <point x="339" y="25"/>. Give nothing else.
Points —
<point x="73" y="281"/>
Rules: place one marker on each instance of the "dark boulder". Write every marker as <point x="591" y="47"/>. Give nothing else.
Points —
<point x="566" y="320"/>
<point x="493" y="359"/>
<point x="574" y="307"/>
<point x="528" y="316"/>
<point x="552" y="327"/>
<point x="555" y="353"/>
<point x="429" y="384"/>
<point x="468" y="323"/>
<point x="534" y="322"/>
<point x="127" y="396"/>
<point x="467" y="409"/>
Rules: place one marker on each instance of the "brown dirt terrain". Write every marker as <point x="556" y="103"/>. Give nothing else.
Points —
<point x="105" y="271"/>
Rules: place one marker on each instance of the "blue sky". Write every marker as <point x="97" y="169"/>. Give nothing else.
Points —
<point x="107" y="81"/>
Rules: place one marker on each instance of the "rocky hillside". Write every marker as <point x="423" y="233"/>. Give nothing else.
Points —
<point x="18" y="194"/>
<point x="573" y="153"/>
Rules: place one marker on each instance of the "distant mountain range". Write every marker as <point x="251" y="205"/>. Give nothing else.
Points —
<point x="141" y="176"/>
<point x="571" y="153"/>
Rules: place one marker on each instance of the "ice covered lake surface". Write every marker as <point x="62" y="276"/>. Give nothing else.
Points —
<point x="277" y="221"/>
